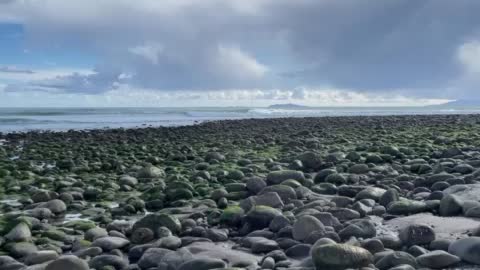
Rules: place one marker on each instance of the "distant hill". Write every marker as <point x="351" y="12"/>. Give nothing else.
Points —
<point x="461" y="103"/>
<point x="288" y="106"/>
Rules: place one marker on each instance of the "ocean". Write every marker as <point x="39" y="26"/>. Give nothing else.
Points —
<point x="62" y="119"/>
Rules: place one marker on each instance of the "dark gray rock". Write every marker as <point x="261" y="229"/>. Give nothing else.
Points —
<point x="202" y="264"/>
<point x="437" y="259"/>
<point x="466" y="249"/>
<point x="340" y="256"/>
<point x="305" y="225"/>
<point x="68" y="262"/>
<point x="277" y="177"/>
<point x="117" y="262"/>
<point x="110" y="242"/>
<point x="417" y="234"/>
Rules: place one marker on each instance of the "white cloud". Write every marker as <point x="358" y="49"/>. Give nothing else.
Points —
<point x="40" y="74"/>
<point x="469" y="56"/>
<point x="240" y="65"/>
<point x="125" y="95"/>
<point x="402" y="47"/>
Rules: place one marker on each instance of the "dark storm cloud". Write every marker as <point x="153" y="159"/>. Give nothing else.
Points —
<point x="406" y="46"/>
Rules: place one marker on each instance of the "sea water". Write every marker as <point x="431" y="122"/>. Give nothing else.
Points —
<point x="61" y="119"/>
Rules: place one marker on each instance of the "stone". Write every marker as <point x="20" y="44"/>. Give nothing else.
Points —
<point x="22" y="249"/>
<point x="310" y="160"/>
<point x="203" y="263"/>
<point x="390" y="196"/>
<point x="277" y="177"/>
<point x="150" y="172"/>
<point x="299" y="251"/>
<point x="152" y="257"/>
<point x="438" y="259"/>
<point x="466" y="249"/>
<point x="340" y="256"/>
<point x="232" y="215"/>
<point x="261" y="216"/>
<point x="21" y="232"/>
<point x="268" y="263"/>
<point x="416" y="234"/>
<point x="101" y="261"/>
<point x="360" y="229"/>
<point x="95" y="233"/>
<point x="359" y="169"/>
<point x="156" y="220"/>
<point x="271" y="199"/>
<point x="41" y="257"/>
<point x="142" y="236"/>
<point x="305" y="225"/>
<point x="406" y="207"/>
<point x="278" y="223"/>
<point x="373" y="193"/>
<point x="255" y="184"/>
<point x="169" y="242"/>
<point x="110" y="242"/>
<point x="68" y="262"/>
<point x="286" y="193"/>
<point x="396" y="258"/>
<point x="262" y="245"/>
<point x="56" y="206"/>
<point x="450" y="205"/>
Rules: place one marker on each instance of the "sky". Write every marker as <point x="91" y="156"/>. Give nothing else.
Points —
<point x="238" y="52"/>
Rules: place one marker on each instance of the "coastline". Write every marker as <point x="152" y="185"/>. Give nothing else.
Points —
<point x="240" y="191"/>
<point x="201" y="122"/>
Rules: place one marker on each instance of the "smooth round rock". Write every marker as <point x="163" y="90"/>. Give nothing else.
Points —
<point x="416" y="234"/>
<point x="68" y="262"/>
<point x="340" y="256"/>
<point x="467" y="249"/>
<point x="305" y="225"/>
<point x="437" y="259"/>
<point x="202" y="264"/>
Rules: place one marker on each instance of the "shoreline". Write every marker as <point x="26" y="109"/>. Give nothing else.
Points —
<point x="246" y="193"/>
<point x="201" y="122"/>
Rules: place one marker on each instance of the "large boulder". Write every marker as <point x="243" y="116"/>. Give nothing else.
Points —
<point x="467" y="249"/>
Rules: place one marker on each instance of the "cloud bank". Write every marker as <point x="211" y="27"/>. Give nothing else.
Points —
<point x="420" y="49"/>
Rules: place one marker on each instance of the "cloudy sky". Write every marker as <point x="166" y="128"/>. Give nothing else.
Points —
<point x="238" y="52"/>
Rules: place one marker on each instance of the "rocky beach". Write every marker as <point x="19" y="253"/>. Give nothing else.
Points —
<point x="354" y="192"/>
